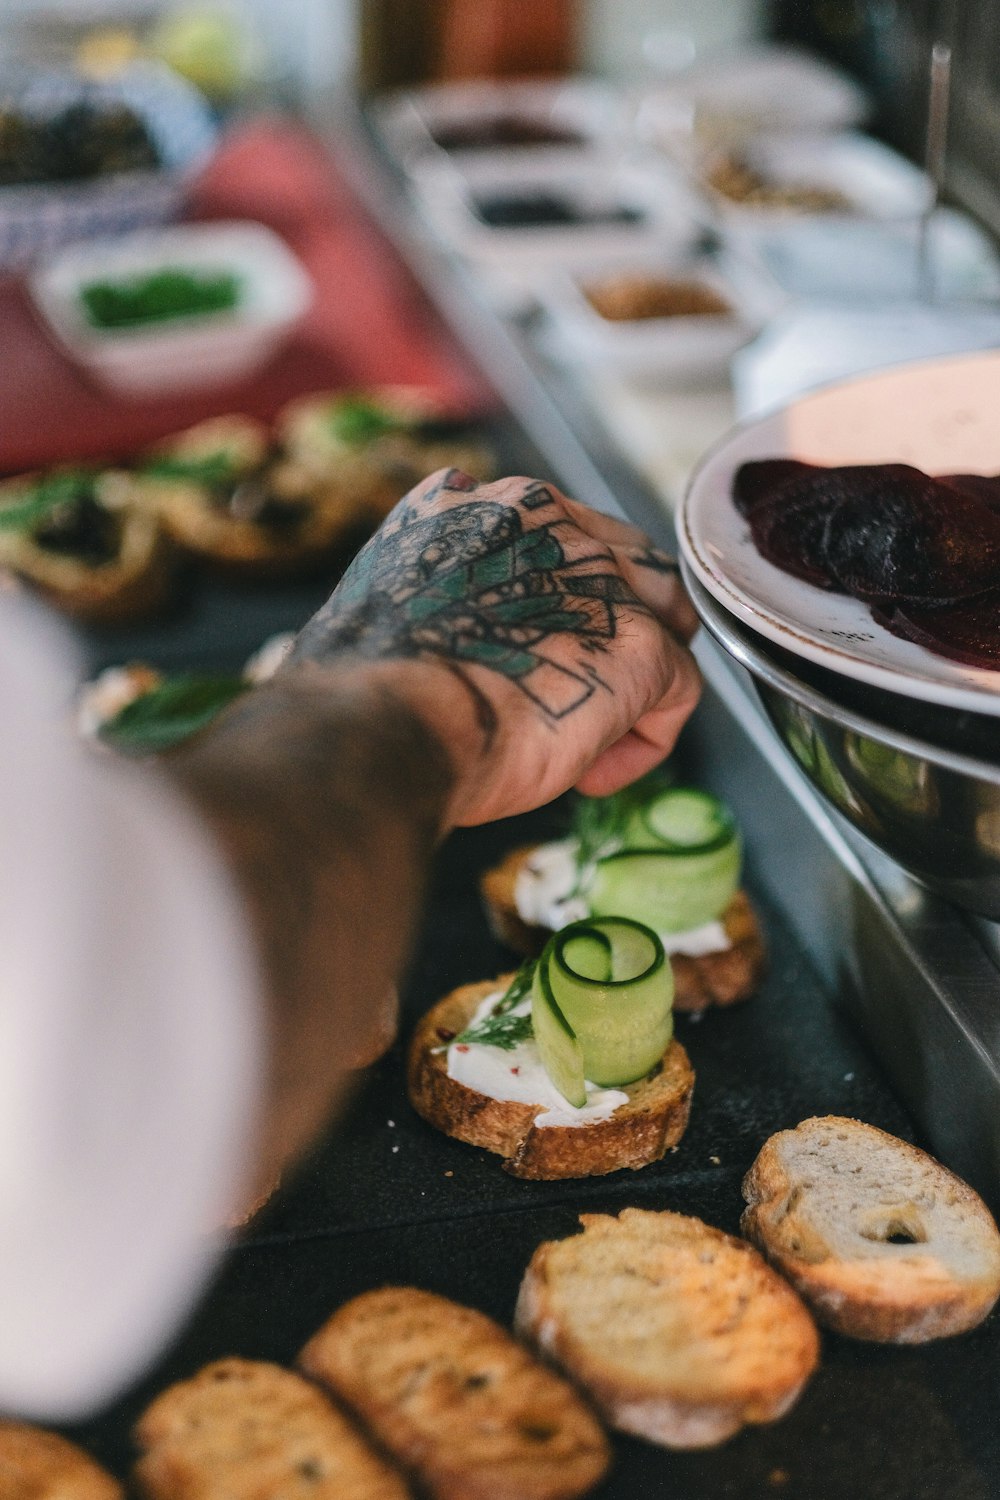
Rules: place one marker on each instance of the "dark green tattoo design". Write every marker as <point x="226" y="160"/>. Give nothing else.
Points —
<point x="472" y="587"/>
<point x="656" y="560"/>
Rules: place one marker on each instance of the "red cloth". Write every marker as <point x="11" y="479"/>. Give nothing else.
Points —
<point x="370" y="322"/>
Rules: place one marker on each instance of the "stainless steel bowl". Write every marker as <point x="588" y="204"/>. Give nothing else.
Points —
<point x="922" y="782"/>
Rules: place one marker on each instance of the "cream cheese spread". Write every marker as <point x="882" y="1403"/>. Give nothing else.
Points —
<point x="543" y="894"/>
<point x="519" y="1074"/>
<point x="543" y="889"/>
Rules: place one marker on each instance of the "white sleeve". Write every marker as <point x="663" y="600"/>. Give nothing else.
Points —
<point x="129" y="1047"/>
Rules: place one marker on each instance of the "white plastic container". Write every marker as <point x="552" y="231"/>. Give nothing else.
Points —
<point x="679" y="347"/>
<point x="737" y="92"/>
<point x="665" y="210"/>
<point x="873" y="181"/>
<point x="592" y="117"/>
<point x="180" y="353"/>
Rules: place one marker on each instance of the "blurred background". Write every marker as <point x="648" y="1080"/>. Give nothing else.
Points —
<point x="218" y="210"/>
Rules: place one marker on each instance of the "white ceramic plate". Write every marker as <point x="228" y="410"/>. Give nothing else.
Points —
<point x="939" y="415"/>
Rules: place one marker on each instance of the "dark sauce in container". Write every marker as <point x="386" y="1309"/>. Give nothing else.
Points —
<point x="502" y="131"/>
<point x="528" y="210"/>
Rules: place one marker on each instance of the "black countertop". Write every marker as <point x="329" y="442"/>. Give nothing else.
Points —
<point x="385" y="1198"/>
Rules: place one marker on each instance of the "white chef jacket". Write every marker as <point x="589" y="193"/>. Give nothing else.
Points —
<point x="129" y="1046"/>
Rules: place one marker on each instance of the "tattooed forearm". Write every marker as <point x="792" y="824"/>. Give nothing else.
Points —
<point x="474" y="586"/>
<point x="327" y="797"/>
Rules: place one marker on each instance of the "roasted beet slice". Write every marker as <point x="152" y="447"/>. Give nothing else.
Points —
<point x="791" y="534"/>
<point x="791" y="528"/>
<point x="985" y="487"/>
<point x="758" y="482"/>
<point x="968" y="632"/>
<point x="900" y="535"/>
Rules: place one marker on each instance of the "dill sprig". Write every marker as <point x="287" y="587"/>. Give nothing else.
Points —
<point x="504" y="1031"/>
<point x="599" y="823"/>
<point x="500" y="1028"/>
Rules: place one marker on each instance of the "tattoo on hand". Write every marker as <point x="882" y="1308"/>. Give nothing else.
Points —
<point x="656" y="560"/>
<point x="471" y="586"/>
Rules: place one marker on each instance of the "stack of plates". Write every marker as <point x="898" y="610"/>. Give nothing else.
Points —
<point x="903" y="742"/>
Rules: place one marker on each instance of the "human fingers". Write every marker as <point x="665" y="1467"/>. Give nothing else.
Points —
<point x="654" y="578"/>
<point x="651" y="572"/>
<point x="602" y="527"/>
<point x="654" y="733"/>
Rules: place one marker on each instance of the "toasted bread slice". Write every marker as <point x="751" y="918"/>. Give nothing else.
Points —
<point x="267" y="518"/>
<point x="456" y="1400"/>
<point x="882" y="1241"/>
<point x="637" y="1133"/>
<point x="711" y="979"/>
<point x="38" y="1465"/>
<point x="109" y="566"/>
<point x="380" y="465"/>
<point x="679" y="1333"/>
<point x="252" y="1431"/>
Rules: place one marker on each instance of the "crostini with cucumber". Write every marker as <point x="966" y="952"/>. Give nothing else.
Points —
<point x="568" y="1068"/>
<point x="667" y="856"/>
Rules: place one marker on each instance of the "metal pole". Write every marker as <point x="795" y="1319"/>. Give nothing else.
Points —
<point x="934" y="160"/>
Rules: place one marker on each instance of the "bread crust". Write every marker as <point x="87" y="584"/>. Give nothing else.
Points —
<point x="137" y="582"/>
<point x="711" y="979"/>
<point x="727" y="1341"/>
<point x="636" y="1134"/>
<point x="902" y="1293"/>
<point x="456" y="1400"/>
<point x="250" y="1431"/>
<point x="39" y="1465"/>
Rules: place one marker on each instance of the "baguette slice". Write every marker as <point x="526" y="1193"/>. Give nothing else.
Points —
<point x="638" y="1132"/>
<point x="711" y="979"/>
<point x="456" y="1400"/>
<point x="38" y="1465"/>
<point x="251" y="1431"/>
<point x="883" y="1242"/>
<point x="679" y="1333"/>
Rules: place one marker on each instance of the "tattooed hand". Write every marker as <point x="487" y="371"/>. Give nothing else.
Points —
<point x="542" y="642"/>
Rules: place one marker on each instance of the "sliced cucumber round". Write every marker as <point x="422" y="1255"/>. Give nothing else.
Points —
<point x="679" y="866"/>
<point x="557" y="1042"/>
<point x="602" y="1004"/>
<point x="680" y="818"/>
<point x="668" y="891"/>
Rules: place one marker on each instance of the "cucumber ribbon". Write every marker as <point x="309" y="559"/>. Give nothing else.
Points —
<point x="601" y="1005"/>
<point x="678" y="866"/>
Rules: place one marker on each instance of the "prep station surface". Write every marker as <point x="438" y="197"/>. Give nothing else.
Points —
<point x="387" y="1199"/>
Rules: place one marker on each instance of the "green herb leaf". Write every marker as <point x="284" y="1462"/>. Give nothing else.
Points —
<point x="357" y="421"/>
<point x="504" y="1031"/>
<point x="599" y="822"/>
<point x="159" y="295"/>
<point x="170" y="713"/>
<point x="212" y="469"/>
<point x="48" y="494"/>
<point x="519" y="986"/>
